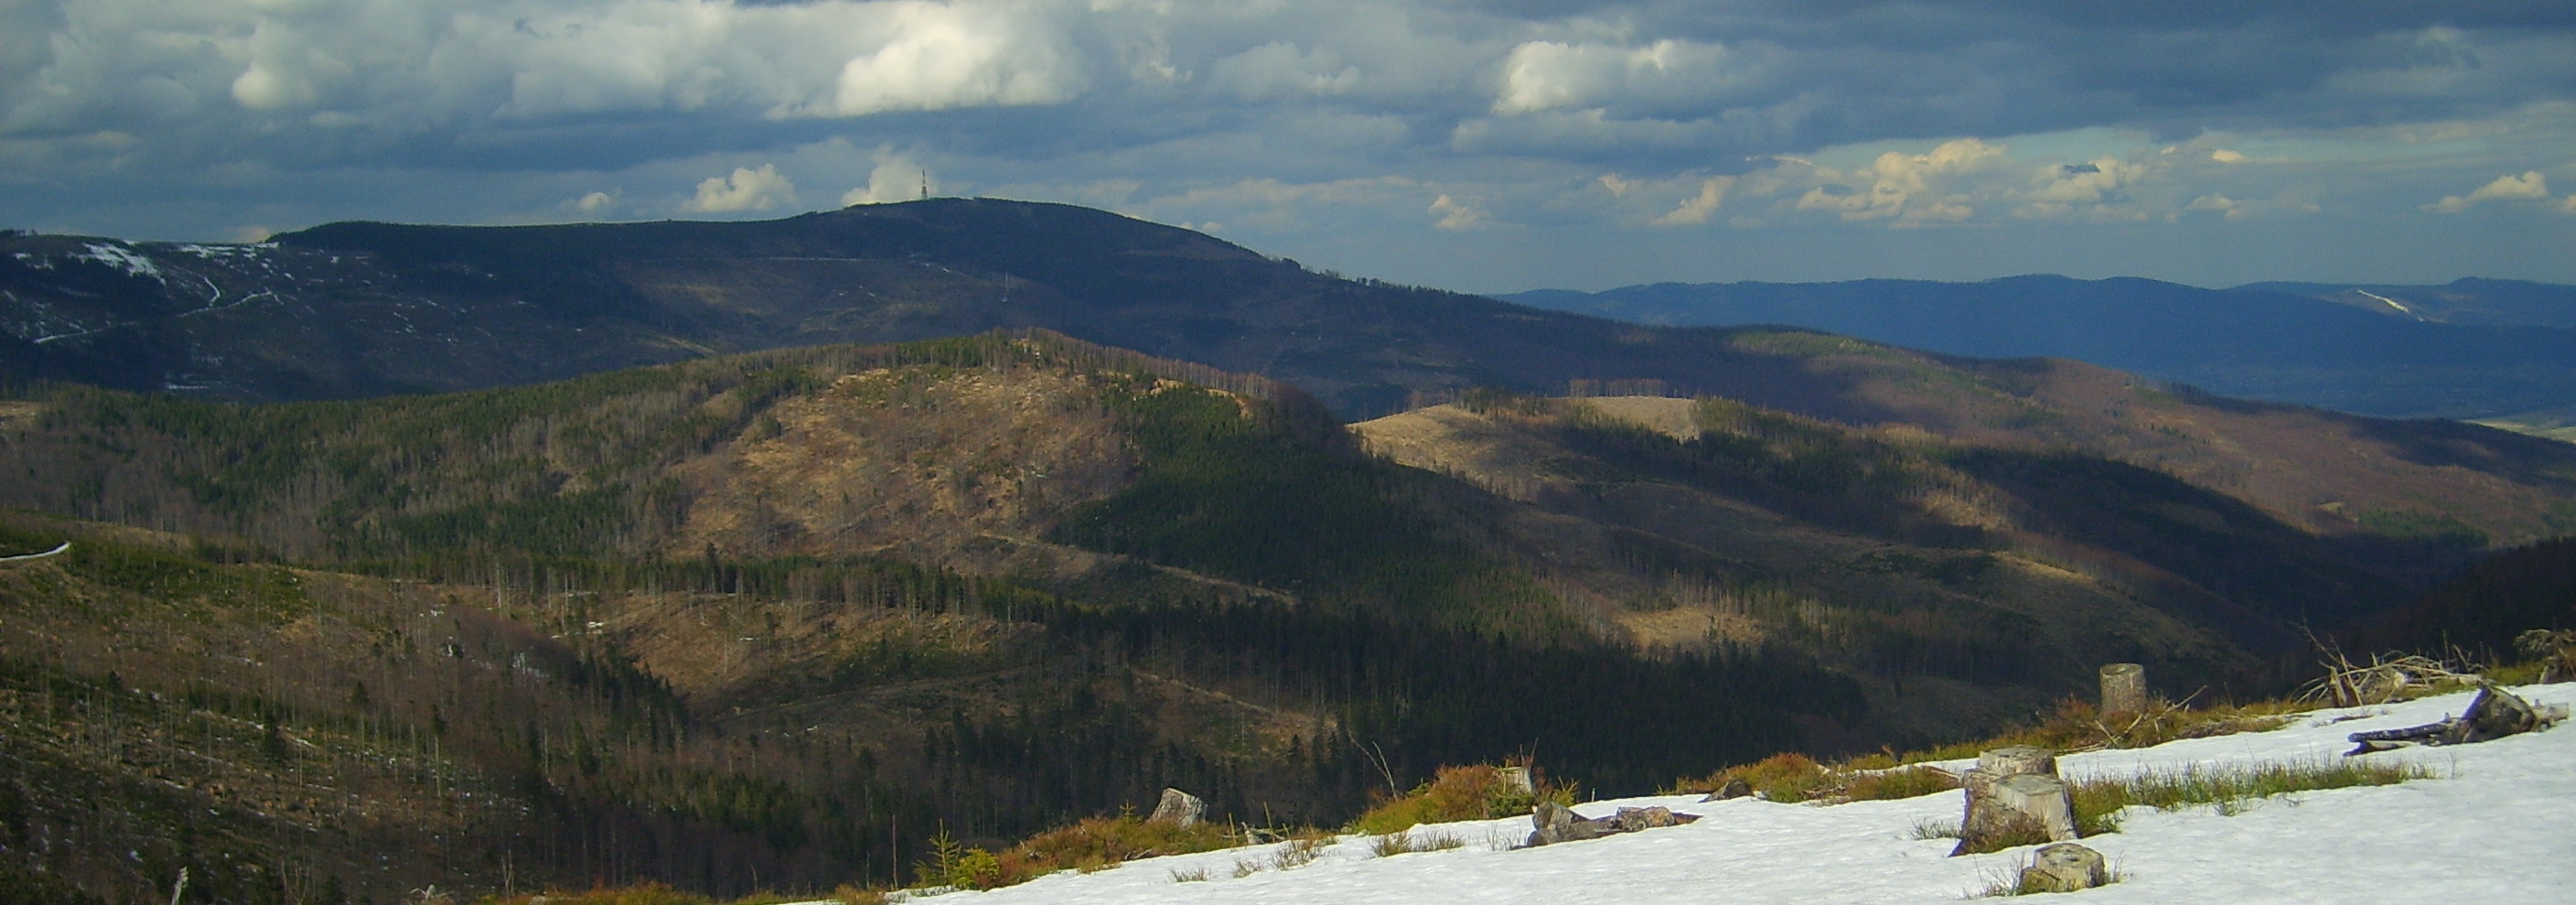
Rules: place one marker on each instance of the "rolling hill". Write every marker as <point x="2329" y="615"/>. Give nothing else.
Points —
<point x="2495" y="348"/>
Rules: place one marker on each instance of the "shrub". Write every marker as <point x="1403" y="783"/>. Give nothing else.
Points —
<point x="1792" y="778"/>
<point x="1476" y="792"/>
<point x="1891" y="785"/>
<point x="1789" y="777"/>
<point x="1092" y="844"/>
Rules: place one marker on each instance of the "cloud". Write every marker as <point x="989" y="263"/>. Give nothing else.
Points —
<point x="1454" y="215"/>
<point x="1712" y="192"/>
<point x="745" y="190"/>
<point x="599" y="202"/>
<point x="942" y="56"/>
<point x="1280" y="69"/>
<point x="2530" y="186"/>
<point x="1550" y="75"/>
<point x="2090" y="187"/>
<point x="1906" y="189"/>
<point x="895" y="178"/>
<point x="1312" y="127"/>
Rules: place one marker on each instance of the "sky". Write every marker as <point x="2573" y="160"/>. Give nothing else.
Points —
<point x="1479" y="145"/>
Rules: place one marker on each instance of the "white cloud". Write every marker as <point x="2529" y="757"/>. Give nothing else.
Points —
<point x="2223" y="155"/>
<point x="1618" y="187"/>
<point x="1454" y="215"/>
<point x="2530" y="186"/>
<point x="1549" y="75"/>
<point x="595" y="203"/>
<point x="896" y="178"/>
<point x="745" y="190"/>
<point x="943" y="56"/>
<point x="1712" y="192"/>
<point x="1906" y="189"/>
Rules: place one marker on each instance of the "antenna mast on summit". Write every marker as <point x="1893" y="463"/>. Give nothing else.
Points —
<point x="925" y="183"/>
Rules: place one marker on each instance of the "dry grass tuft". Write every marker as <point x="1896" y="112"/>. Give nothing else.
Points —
<point x="1406" y="841"/>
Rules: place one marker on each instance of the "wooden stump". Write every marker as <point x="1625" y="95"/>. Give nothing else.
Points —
<point x="2046" y="800"/>
<point x="1516" y="778"/>
<point x="2064" y="867"/>
<point x="2124" y="690"/>
<point x="2014" y="792"/>
<point x="1178" y="807"/>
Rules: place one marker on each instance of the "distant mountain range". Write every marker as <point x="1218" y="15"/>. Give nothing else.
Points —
<point x="355" y="310"/>
<point x="2469" y="349"/>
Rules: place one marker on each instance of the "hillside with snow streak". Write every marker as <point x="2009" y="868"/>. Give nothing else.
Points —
<point x="2496" y="825"/>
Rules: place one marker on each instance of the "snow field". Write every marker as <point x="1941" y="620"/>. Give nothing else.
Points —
<point x="2499" y="826"/>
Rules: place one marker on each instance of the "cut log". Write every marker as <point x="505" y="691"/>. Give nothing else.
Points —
<point x="1178" y="807"/>
<point x="2124" y="690"/>
<point x="1556" y="823"/>
<point x="2064" y="867"/>
<point x="1516" y="778"/>
<point x="2494" y="713"/>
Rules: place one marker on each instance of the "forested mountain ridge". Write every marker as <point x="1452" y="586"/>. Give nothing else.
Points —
<point x="361" y="309"/>
<point x="782" y="615"/>
<point x="2475" y="348"/>
<point x="1163" y="582"/>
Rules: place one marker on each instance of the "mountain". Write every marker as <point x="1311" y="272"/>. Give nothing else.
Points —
<point x="776" y="618"/>
<point x="779" y="617"/>
<point x="2267" y="341"/>
<point x="356" y="310"/>
<point x="2464" y="301"/>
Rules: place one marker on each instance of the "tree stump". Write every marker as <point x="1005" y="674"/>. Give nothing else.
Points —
<point x="1516" y="778"/>
<point x="2014" y="792"/>
<point x="2124" y="690"/>
<point x="1178" y="807"/>
<point x="2064" y="867"/>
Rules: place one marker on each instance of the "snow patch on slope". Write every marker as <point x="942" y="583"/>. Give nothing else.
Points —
<point x="2499" y="826"/>
<point x="122" y="257"/>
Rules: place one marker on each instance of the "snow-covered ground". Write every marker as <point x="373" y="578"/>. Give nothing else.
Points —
<point x="2498" y="827"/>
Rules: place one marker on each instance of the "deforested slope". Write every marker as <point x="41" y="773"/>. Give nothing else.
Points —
<point x="771" y="619"/>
